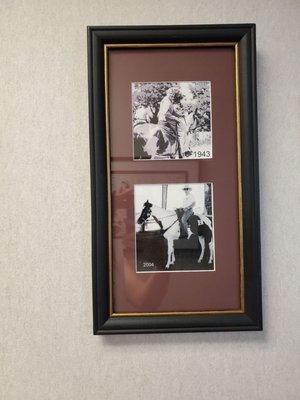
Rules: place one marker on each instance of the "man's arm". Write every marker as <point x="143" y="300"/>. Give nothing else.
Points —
<point x="188" y="203"/>
<point x="191" y="205"/>
<point x="163" y="108"/>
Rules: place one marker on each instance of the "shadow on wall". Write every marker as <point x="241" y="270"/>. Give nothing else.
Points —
<point x="181" y="339"/>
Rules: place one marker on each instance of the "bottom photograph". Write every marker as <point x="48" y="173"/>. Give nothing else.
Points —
<point x="174" y="227"/>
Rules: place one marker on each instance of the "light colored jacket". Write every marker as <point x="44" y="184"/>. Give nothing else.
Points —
<point x="163" y="108"/>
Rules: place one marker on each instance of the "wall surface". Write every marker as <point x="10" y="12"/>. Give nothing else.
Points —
<point x="47" y="349"/>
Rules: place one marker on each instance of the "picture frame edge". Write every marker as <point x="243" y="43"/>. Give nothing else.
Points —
<point x="100" y="303"/>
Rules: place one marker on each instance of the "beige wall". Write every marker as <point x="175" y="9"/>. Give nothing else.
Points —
<point x="47" y="349"/>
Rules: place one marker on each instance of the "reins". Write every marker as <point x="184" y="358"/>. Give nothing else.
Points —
<point x="163" y="231"/>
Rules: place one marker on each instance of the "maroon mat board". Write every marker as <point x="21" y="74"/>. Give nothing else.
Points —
<point x="174" y="291"/>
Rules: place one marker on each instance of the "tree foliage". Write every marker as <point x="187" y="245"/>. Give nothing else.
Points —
<point x="150" y="94"/>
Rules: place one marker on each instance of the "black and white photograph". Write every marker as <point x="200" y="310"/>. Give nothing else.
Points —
<point x="174" y="227"/>
<point x="171" y="120"/>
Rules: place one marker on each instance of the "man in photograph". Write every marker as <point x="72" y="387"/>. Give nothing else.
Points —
<point x="169" y="115"/>
<point x="188" y="209"/>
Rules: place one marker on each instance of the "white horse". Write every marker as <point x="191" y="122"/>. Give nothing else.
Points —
<point x="170" y="226"/>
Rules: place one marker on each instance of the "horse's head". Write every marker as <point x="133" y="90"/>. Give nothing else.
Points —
<point x="146" y="212"/>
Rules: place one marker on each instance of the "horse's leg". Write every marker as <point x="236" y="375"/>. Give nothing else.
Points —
<point x="211" y="252"/>
<point x="170" y="251"/>
<point x="178" y="145"/>
<point x="171" y="259"/>
<point x="151" y="146"/>
<point x="188" y="143"/>
<point x="202" y="244"/>
<point x="173" y="255"/>
<point x="169" y="256"/>
<point x="175" y="236"/>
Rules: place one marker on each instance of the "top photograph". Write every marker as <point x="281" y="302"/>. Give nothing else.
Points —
<point x="171" y="120"/>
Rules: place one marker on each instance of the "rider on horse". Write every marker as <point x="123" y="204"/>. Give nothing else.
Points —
<point x="188" y="209"/>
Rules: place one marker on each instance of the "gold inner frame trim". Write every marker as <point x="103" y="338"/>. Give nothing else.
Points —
<point x="239" y="183"/>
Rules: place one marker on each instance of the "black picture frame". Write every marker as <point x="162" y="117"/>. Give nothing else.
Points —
<point x="243" y="35"/>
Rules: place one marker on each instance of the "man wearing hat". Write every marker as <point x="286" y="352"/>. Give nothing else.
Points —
<point x="188" y="204"/>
